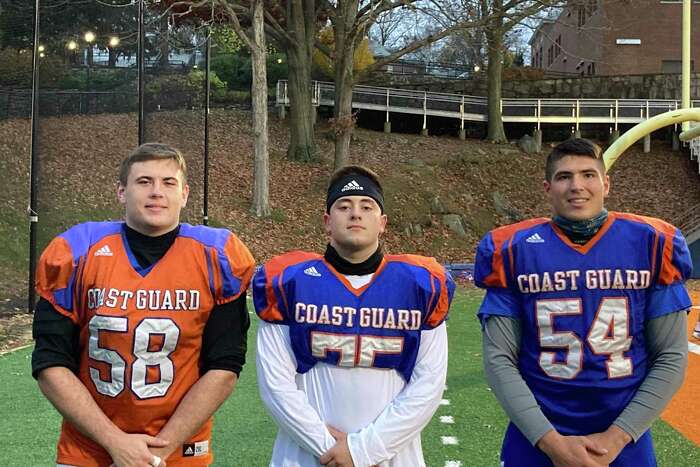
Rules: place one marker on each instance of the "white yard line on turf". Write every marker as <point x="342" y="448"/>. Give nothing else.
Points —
<point x="453" y="463"/>
<point x="15" y="349"/>
<point x="447" y="440"/>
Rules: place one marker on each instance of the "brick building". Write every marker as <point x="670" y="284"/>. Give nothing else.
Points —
<point x="615" y="37"/>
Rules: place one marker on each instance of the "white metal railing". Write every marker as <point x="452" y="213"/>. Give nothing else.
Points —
<point x="475" y="108"/>
<point x="694" y="145"/>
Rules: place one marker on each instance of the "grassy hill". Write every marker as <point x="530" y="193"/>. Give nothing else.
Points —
<point x="424" y="178"/>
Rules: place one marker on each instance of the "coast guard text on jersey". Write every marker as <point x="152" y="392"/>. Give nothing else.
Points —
<point x="603" y="279"/>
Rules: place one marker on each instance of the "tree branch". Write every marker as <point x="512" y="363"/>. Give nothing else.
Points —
<point x="422" y="42"/>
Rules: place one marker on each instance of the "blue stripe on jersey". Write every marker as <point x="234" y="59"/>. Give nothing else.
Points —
<point x="258" y="284"/>
<point x="216" y="238"/>
<point x="681" y="255"/>
<point x="80" y="238"/>
<point x="210" y="271"/>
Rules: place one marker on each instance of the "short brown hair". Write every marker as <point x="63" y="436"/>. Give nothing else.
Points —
<point x="151" y="152"/>
<point x="572" y="147"/>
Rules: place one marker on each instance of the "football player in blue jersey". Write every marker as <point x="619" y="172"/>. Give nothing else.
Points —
<point x="352" y="347"/>
<point x="584" y="322"/>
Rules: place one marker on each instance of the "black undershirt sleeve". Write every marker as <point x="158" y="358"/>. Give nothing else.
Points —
<point x="225" y="337"/>
<point x="57" y="339"/>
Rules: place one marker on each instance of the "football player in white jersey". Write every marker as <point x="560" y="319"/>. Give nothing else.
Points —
<point x="352" y="347"/>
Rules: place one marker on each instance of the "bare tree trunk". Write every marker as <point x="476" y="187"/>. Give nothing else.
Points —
<point x="344" y="79"/>
<point x="494" y="40"/>
<point x="344" y="121"/>
<point x="301" y="20"/>
<point x="302" y="145"/>
<point x="163" y="45"/>
<point x="261" y="169"/>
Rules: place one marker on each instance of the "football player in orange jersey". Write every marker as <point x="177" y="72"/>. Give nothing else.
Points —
<point x="141" y="326"/>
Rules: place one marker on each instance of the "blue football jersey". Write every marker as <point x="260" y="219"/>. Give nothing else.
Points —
<point x="378" y="325"/>
<point x="583" y="309"/>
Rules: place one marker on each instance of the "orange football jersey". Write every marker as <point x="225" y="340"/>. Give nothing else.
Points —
<point x="140" y="328"/>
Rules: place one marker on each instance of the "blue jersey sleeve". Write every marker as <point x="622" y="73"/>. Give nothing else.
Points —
<point x="267" y="296"/>
<point x="494" y="253"/>
<point x="488" y="266"/>
<point x="271" y="287"/>
<point x="669" y="294"/>
<point x="493" y="268"/>
<point x="444" y="290"/>
<point x="499" y="302"/>
<point x="489" y="273"/>
<point x="434" y="285"/>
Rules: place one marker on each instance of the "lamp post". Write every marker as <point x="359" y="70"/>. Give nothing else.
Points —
<point x="113" y="43"/>
<point x="72" y="46"/>
<point x="89" y="38"/>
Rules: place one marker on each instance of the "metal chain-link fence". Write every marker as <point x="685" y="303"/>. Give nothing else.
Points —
<point x="87" y="117"/>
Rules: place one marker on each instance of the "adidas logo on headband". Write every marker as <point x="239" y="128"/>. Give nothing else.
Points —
<point x="353" y="185"/>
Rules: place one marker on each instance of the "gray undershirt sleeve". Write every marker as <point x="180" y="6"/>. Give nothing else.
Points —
<point x="501" y="352"/>
<point x="667" y="348"/>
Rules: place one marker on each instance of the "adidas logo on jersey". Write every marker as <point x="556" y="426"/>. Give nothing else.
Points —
<point x="104" y="251"/>
<point x="312" y="272"/>
<point x="196" y="449"/>
<point x="534" y="238"/>
<point x="353" y="185"/>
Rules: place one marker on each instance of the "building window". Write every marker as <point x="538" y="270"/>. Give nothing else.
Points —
<point x="675" y="66"/>
<point x="585" y="10"/>
<point x="581" y="16"/>
<point x="591" y="7"/>
<point x="557" y="50"/>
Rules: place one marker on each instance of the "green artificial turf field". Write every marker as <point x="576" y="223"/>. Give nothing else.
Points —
<point x="244" y="433"/>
